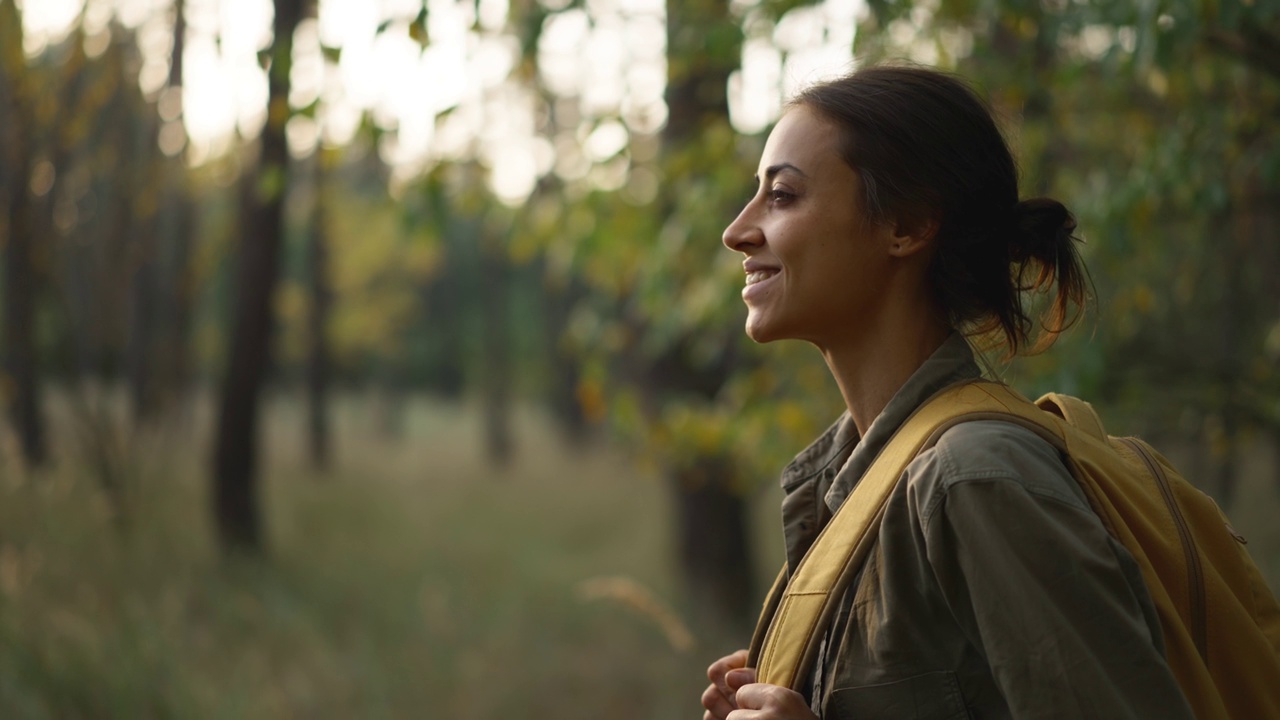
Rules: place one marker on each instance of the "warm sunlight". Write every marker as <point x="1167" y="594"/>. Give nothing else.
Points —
<point x="455" y="97"/>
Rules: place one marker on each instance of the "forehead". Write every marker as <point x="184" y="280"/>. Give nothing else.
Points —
<point x="805" y="139"/>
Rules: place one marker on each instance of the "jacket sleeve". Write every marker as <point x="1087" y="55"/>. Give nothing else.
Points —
<point x="1056" y="606"/>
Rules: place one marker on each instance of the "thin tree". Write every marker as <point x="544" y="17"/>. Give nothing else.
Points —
<point x="235" y="463"/>
<point x="19" y="377"/>
<point x="158" y="352"/>
<point x="711" y="513"/>
<point x="495" y="278"/>
<point x="321" y="294"/>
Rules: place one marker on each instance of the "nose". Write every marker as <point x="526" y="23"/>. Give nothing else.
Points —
<point x="743" y="233"/>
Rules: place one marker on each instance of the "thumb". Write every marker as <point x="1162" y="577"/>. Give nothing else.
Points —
<point x="742" y="676"/>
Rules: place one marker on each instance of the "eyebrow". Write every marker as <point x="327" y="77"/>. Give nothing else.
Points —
<point x="771" y="171"/>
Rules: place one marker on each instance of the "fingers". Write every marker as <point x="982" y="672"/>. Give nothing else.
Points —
<point x="718" y="706"/>
<point x="739" y="677"/>
<point x="719" y="669"/>
<point x="759" y="701"/>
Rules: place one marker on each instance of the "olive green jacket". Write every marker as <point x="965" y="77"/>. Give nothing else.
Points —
<point x="994" y="592"/>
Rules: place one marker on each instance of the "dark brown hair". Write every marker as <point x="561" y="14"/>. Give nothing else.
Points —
<point x="926" y="146"/>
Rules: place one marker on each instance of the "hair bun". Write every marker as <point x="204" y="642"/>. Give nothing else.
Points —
<point x="1041" y="228"/>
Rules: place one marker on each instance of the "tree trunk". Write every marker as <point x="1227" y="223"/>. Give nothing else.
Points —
<point x="714" y="554"/>
<point x="565" y="367"/>
<point x="162" y="295"/>
<point x="175" y="348"/>
<point x="145" y="296"/>
<point x="445" y="305"/>
<point x="235" y="465"/>
<point x="494" y="273"/>
<point x="142" y="323"/>
<point x="20" y="382"/>
<point x="714" y="542"/>
<point x="22" y="386"/>
<point x="174" y="353"/>
<point x="318" y="437"/>
<point x="1237" y="304"/>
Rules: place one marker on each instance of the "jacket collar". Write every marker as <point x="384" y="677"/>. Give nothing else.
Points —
<point x="841" y="447"/>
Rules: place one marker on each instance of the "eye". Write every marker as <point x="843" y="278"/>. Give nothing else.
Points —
<point x="778" y="196"/>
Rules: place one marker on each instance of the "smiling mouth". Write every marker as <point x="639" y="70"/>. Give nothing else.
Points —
<point x="760" y="276"/>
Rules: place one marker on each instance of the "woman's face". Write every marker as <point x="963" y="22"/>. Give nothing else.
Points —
<point x="815" y="264"/>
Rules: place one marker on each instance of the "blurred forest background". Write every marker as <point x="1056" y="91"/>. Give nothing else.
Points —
<point x="381" y="358"/>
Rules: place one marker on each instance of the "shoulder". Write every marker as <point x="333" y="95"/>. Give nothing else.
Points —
<point x="991" y="454"/>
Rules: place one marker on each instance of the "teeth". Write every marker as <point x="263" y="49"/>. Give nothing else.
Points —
<point x="759" y="275"/>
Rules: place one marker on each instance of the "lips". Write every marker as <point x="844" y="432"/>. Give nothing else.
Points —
<point x="757" y="285"/>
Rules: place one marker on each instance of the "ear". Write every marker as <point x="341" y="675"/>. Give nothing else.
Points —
<point x="912" y="235"/>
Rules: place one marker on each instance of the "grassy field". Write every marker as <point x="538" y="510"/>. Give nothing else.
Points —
<point x="411" y="581"/>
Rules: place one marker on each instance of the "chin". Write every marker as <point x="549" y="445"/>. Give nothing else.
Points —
<point x="761" y="331"/>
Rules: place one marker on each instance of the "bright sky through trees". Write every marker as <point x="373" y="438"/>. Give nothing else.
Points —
<point x="456" y="97"/>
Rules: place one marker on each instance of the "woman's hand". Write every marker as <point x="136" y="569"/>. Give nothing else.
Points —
<point x="758" y="701"/>
<point x="734" y="694"/>
<point x="718" y="697"/>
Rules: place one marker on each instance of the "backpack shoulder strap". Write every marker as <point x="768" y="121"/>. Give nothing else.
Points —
<point x="785" y="654"/>
<point x="1076" y="412"/>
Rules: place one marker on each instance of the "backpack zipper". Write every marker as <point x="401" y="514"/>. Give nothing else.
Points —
<point x="1199" y="631"/>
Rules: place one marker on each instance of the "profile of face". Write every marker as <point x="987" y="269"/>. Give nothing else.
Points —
<point x="817" y="267"/>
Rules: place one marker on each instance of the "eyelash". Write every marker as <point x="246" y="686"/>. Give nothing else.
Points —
<point x="780" y="196"/>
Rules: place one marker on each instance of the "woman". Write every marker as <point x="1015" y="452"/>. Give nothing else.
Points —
<point x="887" y="228"/>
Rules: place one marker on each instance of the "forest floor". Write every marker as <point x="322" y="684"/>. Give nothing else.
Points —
<point x="412" y="580"/>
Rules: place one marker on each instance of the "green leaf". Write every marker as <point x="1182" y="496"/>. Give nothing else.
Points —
<point x="418" y="28"/>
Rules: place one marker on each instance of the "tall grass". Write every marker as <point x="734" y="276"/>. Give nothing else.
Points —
<point x="412" y="581"/>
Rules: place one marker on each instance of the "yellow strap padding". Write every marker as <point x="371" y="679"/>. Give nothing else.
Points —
<point x="1076" y="412"/>
<point x="803" y="612"/>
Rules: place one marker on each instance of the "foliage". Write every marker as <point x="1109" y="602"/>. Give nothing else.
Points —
<point x="663" y="309"/>
<point x="379" y="267"/>
<point x="1151" y="120"/>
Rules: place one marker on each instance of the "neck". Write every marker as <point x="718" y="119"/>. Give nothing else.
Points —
<point x="871" y="366"/>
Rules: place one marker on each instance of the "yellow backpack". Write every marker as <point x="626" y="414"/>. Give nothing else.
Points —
<point x="1221" y="622"/>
